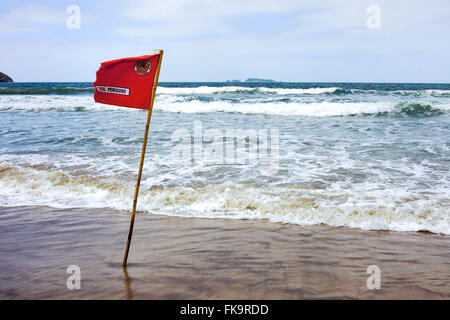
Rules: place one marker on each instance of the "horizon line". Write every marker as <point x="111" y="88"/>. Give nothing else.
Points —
<point x="244" y="82"/>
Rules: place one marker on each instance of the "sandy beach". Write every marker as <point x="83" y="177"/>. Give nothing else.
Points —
<point x="190" y="258"/>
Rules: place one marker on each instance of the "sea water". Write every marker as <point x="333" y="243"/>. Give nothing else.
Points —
<point x="364" y="155"/>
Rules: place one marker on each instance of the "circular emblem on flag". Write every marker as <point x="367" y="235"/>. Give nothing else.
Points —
<point x="142" y="67"/>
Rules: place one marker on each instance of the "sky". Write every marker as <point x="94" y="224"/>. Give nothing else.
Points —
<point x="297" y="41"/>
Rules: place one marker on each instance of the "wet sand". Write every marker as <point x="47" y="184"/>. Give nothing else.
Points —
<point x="190" y="258"/>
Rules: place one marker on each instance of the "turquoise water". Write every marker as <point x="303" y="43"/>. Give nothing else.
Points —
<point x="365" y="155"/>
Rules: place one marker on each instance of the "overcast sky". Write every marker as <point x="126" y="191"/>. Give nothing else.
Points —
<point x="218" y="40"/>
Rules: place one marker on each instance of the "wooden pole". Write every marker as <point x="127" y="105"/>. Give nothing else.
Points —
<point x="141" y="164"/>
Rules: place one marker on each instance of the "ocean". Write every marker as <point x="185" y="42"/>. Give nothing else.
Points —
<point x="363" y="155"/>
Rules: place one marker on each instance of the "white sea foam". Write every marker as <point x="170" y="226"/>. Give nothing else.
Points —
<point x="299" y="91"/>
<point x="428" y="92"/>
<point x="277" y="108"/>
<point x="211" y="90"/>
<point x="398" y="210"/>
<point x="352" y="175"/>
<point x="178" y="105"/>
<point x="49" y="102"/>
<point x="186" y="104"/>
<point x="201" y="90"/>
<point x="316" y="109"/>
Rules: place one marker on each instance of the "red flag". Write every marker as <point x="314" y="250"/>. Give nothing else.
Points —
<point x="126" y="82"/>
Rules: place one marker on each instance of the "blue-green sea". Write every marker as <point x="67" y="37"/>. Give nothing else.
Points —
<point x="363" y="155"/>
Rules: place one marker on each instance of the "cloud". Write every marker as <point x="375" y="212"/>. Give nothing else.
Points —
<point x="201" y="9"/>
<point x="33" y="13"/>
<point x="211" y="40"/>
<point x="30" y="18"/>
<point x="174" y="30"/>
<point x="178" y="18"/>
<point x="209" y="16"/>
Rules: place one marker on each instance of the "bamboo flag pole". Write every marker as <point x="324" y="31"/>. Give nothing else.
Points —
<point x="141" y="164"/>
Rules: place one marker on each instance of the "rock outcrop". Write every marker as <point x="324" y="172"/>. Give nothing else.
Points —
<point x="5" y="78"/>
<point x="259" y="80"/>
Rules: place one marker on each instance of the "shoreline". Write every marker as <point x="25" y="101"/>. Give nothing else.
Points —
<point x="199" y="258"/>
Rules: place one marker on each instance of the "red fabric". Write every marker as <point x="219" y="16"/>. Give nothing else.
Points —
<point x="118" y="83"/>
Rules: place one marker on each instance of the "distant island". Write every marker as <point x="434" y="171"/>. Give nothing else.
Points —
<point x="5" y="78"/>
<point x="251" y="80"/>
<point x="259" y="80"/>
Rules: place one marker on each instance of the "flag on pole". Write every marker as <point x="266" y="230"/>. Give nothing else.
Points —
<point x="126" y="82"/>
<point x="130" y="82"/>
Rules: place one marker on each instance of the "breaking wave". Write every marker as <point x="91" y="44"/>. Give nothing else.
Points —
<point x="296" y="204"/>
<point x="281" y="107"/>
<point x="61" y="90"/>
<point x="87" y="88"/>
<point x="245" y="90"/>
<point x="319" y="109"/>
<point x="59" y="149"/>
